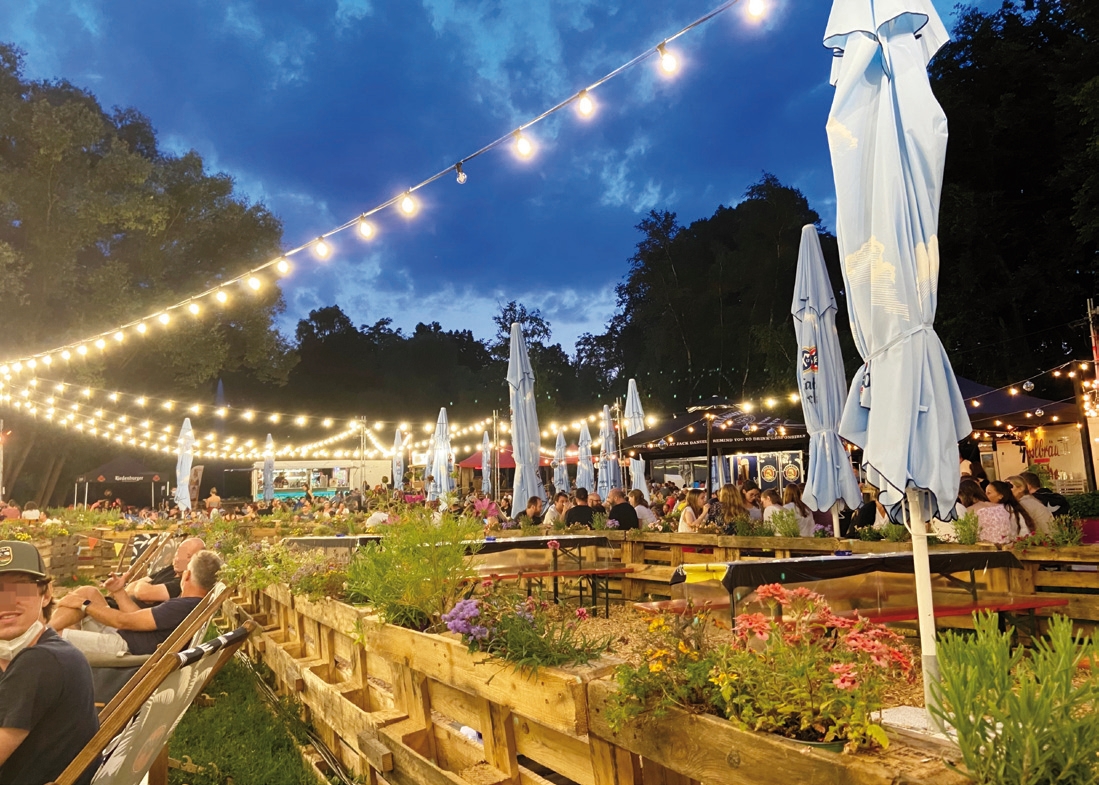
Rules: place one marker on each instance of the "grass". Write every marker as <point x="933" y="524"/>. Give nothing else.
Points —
<point x="237" y="739"/>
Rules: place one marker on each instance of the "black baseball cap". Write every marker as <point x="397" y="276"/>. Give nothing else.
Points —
<point x="17" y="556"/>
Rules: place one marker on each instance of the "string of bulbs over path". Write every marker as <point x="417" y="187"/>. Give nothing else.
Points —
<point x="405" y="203"/>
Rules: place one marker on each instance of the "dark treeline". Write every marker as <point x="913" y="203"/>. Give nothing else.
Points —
<point x="99" y="225"/>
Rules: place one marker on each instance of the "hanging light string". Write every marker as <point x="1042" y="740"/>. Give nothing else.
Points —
<point x="1027" y="384"/>
<point x="404" y="201"/>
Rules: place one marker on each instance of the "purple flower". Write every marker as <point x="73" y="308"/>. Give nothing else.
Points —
<point x="612" y="524"/>
<point x="478" y="632"/>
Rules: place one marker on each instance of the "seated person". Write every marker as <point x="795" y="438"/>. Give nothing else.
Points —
<point x="47" y="707"/>
<point x="579" y="513"/>
<point x="557" y="512"/>
<point x="130" y="629"/>
<point x="621" y="510"/>
<point x="532" y="515"/>
<point x="596" y="504"/>
<point x="146" y="592"/>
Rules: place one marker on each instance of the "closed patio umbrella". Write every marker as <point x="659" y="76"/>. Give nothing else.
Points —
<point x="439" y="466"/>
<point x="637" y="477"/>
<point x="185" y="455"/>
<point x="608" y="451"/>
<point x="561" y="470"/>
<point x="887" y="136"/>
<point x="821" y="383"/>
<point x="635" y="415"/>
<point x="269" y="469"/>
<point x="585" y="473"/>
<point x="398" y="459"/>
<point x="486" y="465"/>
<point x="525" y="436"/>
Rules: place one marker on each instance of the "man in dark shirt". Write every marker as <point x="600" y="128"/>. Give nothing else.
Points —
<point x="47" y="706"/>
<point x="130" y="629"/>
<point x="596" y="504"/>
<point x="580" y="512"/>
<point x="1054" y="502"/>
<point x="621" y="510"/>
<point x="532" y="515"/>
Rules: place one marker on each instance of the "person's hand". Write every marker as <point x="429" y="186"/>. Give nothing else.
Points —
<point x="114" y="583"/>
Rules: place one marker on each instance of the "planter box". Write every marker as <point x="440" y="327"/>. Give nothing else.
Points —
<point x="703" y="748"/>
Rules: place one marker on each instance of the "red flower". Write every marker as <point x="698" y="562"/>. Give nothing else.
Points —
<point x="553" y="545"/>
<point x="772" y="591"/>
<point x="581" y="613"/>
<point x="748" y="624"/>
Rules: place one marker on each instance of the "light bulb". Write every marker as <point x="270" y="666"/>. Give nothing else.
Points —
<point x="461" y="176"/>
<point x="523" y="145"/>
<point x="254" y="283"/>
<point x="164" y="318"/>
<point x="47" y="360"/>
<point x="299" y="421"/>
<point x="756" y="8"/>
<point x="221" y="297"/>
<point x="321" y="248"/>
<point x="100" y="343"/>
<point x="408" y="205"/>
<point x="281" y="265"/>
<point x="141" y="328"/>
<point x="193" y="308"/>
<point x="81" y="350"/>
<point x="585" y="106"/>
<point x="668" y="60"/>
<point x="65" y="354"/>
<point x="327" y="422"/>
<point x="366" y="229"/>
<point x="32" y="363"/>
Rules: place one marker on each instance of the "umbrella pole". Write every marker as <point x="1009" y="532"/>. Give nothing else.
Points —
<point x="917" y="525"/>
<point x="836" y="520"/>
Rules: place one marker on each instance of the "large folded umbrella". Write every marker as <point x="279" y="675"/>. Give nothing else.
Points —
<point x="585" y="473"/>
<point x="269" y="469"/>
<point x="525" y="436"/>
<point x="185" y="456"/>
<point x="637" y="477"/>
<point x="486" y="465"/>
<point x="561" y="463"/>
<point x="822" y="383"/>
<point x="439" y="464"/>
<point x="887" y="135"/>
<point x="635" y="415"/>
<point x="397" y="467"/>
<point x="608" y="451"/>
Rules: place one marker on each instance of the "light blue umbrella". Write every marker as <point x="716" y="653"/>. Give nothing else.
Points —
<point x="821" y="383"/>
<point x="561" y="470"/>
<point x="185" y="456"/>
<point x="525" y="436"/>
<point x="608" y="450"/>
<point x="585" y="472"/>
<point x="397" y="467"/>
<point x="486" y="465"/>
<point x="439" y="467"/>
<point x="887" y="136"/>
<point x="602" y="476"/>
<point x="637" y="477"/>
<point x="635" y="415"/>
<point x="269" y="469"/>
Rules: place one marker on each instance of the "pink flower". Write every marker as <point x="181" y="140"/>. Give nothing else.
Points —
<point x="553" y="545"/>
<point x="845" y="675"/>
<point x="581" y="613"/>
<point x="748" y="624"/>
<point x="772" y="591"/>
<point x="487" y="583"/>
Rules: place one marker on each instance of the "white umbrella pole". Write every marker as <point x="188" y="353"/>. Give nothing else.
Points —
<point x="836" y="520"/>
<point x="917" y="525"/>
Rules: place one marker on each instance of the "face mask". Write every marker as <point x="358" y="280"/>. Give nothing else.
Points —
<point x="8" y="649"/>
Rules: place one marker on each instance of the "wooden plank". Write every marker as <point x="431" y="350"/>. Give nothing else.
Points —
<point x="1073" y="580"/>
<point x="612" y="765"/>
<point x="498" y="735"/>
<point x="409" y="767"/>
<point x="411" y="696"/>
<point x="711" y="750"/>
<point x="652" y="773"/>
<point x="567" y="755"/>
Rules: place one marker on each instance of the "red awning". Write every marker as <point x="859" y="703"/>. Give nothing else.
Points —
<point x="506" y="460"/>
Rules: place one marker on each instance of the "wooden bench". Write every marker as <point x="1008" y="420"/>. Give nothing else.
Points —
<point x="596" y="574"/>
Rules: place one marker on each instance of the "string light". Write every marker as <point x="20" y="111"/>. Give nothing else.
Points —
<point x="408" y="204"/>
<point x="321" y="248"/>
<point x="193" y="308"/>
<point x="281" y="265"/>
<point x="366" y="229"/>
<point x="756" y="8"/>
<point x="668" y="61"/>
<point x="460" y="175"/>
<point x="164" y="318"/>
<point x="254" y="283"/>
<point x="584" y="105"/>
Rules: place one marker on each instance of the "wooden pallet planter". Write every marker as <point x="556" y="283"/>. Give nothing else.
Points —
<point x="389" y="700"/>
<point x="687" y="749"/>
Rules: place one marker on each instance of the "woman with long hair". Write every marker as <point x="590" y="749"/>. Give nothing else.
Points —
<point x="1000" y="492"/>
<point x="994" y="523"/>
<point x="695" y="513"/>
<point x="791" y="500"/>
<point x="1040" y="516"/>
<point x="733" y="506"/>
<point x="645" y="515"/>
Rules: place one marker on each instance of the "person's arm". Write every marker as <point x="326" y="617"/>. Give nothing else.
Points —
<point x="150" y="592"/>
<point x="10" y="739"/>
<point x="140" y="620"/>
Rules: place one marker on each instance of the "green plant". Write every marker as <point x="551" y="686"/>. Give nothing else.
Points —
<point x="966" y="528"/>
<point x="750" y="527"/>
<point x="598" y="521"/>
<point x="785" y="523"/>
<point x="1065" y="531"/>
<point x="1084" y="505"/>
<point x="895" y="532"/>
<point x="503" y="623"/>
<point x="1026" y="718"/>
<point x="869" y="534"/>
<point x="807" y="674"/>
<point x="418" y="571"/>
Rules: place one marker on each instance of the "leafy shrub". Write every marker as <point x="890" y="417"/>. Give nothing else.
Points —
<point x="870" y="534"/>
<point x="785" y="523"/>
<point x="598" y="521"/>
<point x="750" y="527"/>
<point x="1065" y="532"/>
<point x="966" y="528"/>
<point x="1021" y="719"/>
<point x="895" y="532"/>
<point x="417" y="572"/>
<point x="503" y="623"/>
<point x="1084" y="505"/>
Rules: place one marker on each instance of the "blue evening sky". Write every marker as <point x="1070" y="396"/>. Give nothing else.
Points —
<point x="323" y="109"/>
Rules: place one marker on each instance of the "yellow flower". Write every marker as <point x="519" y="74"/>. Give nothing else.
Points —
<point x="659" y="654"/>
<point x="658" y="624"/>
<point x="684" y="648"/>
<point x="656" y="667"/>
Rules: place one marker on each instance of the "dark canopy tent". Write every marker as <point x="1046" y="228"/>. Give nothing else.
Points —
<point x="734" y="430"/>
<point x="993" y="409"/>
<point x="121" y="475"/>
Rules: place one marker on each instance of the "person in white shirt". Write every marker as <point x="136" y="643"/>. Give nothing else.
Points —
<point x="556" y="513"/>
<point x="695" y="513"/>
<point x="771" y="503"/>
<point x="791" y="497"/>
<point x="1040" y="515"/>
<point x="645" y="515"/>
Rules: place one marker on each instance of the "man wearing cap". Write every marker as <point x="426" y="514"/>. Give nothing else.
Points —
<point x="47" y="707"/>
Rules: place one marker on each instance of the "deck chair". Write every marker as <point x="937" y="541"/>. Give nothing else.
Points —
<point x="114" y="677"/>
<point x="134" y="738"/>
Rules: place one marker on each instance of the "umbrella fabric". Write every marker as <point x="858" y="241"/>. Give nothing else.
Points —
<point x="525" y="435"/>
<point x="486" y="465"/>
<point x="439" y="467"/>
<point x="186" y="456"/>
<point x="602" y="476"/>
<point x="561" y="471"/>
<point x="719" y="472"/>
<point x="269" y="469"/>
<point x="887" y="136"/>
<point x="635" y="415"/>
<point x="585" y="473"/>
<point x="608" y="450"/>
<point x="821" y="380"/>
<point x="398" y="459"/>
<point x="637" y="477"/>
